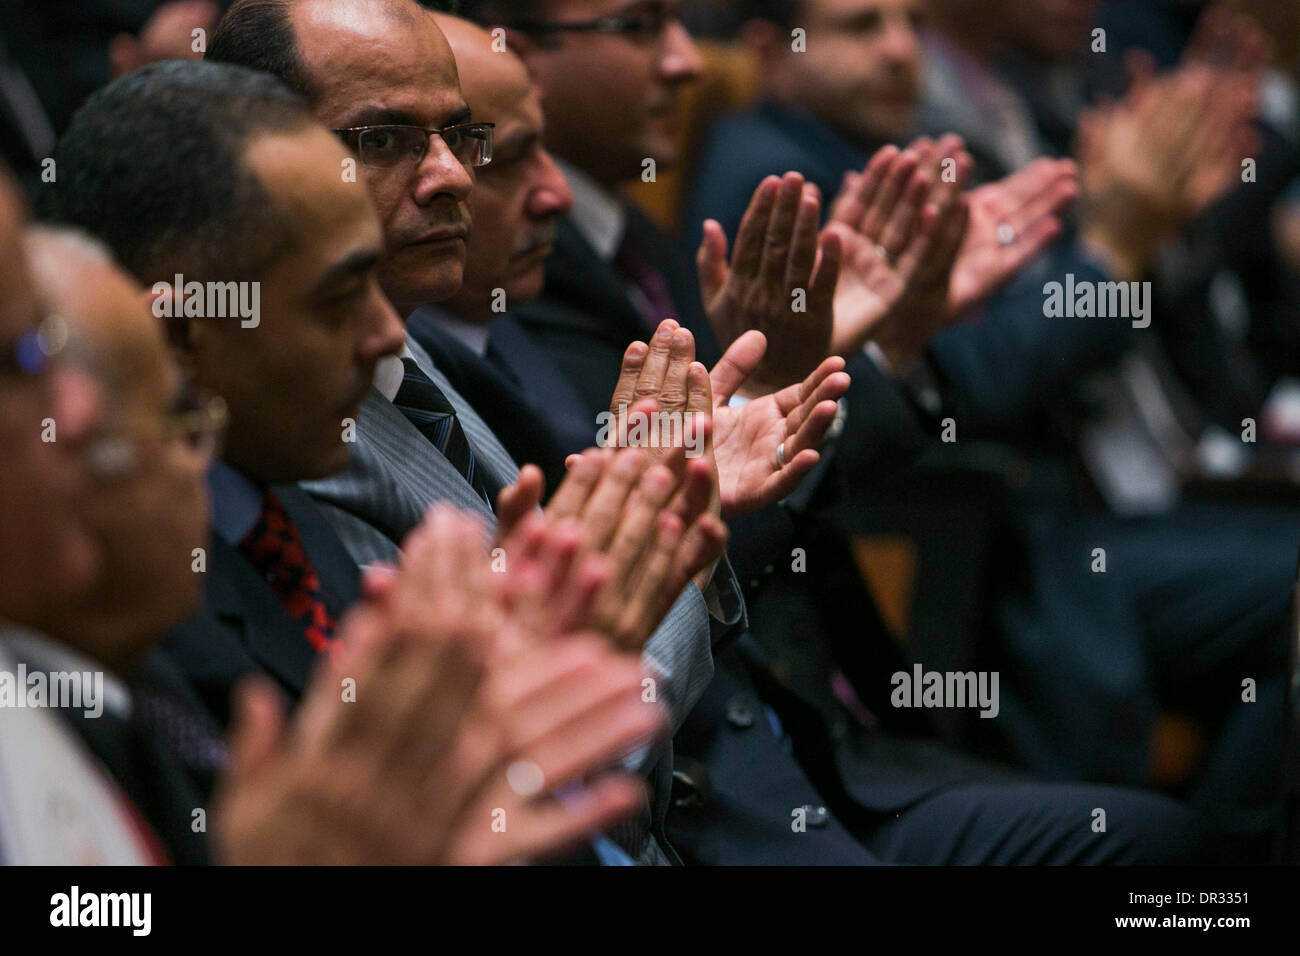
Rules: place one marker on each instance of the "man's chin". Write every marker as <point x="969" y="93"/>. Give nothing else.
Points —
<point x="527" y="285"/>
<point x="664" y="149"/>
<point x="435" y="282"/>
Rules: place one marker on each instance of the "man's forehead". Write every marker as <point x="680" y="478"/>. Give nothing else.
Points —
<point x="302" y="171"/>
<point x="364" y="57"/>
<point x="108" y="311"/>
<point x="519" y="122"/>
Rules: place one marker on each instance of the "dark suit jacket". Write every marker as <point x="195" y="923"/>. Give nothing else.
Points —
<point x="879" y="774"/>
<point x="585" y="319"/>
<point x="744" y="813"/>
<point x="742" y="149"/>
<point x="163" y="784"/>
<point x="243" y="628"/>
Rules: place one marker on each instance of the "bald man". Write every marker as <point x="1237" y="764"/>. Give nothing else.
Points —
<point x="742" y="814"/>
<point x="399" y="467"/>
<point x="47" y="558"/>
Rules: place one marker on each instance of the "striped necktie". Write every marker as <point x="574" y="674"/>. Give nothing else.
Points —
<point x="429" y="410"/>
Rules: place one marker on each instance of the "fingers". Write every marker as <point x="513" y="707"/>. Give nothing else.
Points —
<point x="559" y="826"/>
<point x="603" y="511"/>
<point x="704" y="543"/>
<point x="518" y="499"/>
<point x="696" y="491"/>
<point x="803" y="245"/>
<point x="652" y="495"/>
<point x="901" y="224"/>
<point x="590" y="728"/>
<point x="657" y="582"/>
<point x="780" y="231"/>
<point x="699" y="395"/>
<point x="256" y="727"/>
<point x="950" y="234"/>
<point x="811" y="431"/>
<point x="830" y="259"/>
<point x="583" y="472"/>
<point x="671" y="396"/>
<point x="747" y="256"/>
<point x="655" y="367"/>
<point x="888" y="195"/>
<point x="576" y="602"/>
<point x="629" y="374"/>
<point x="852" y="208"/>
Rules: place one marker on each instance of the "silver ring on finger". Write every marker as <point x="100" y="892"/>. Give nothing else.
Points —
<point x="1006" y="234"/>
<point x="780" y="455"/>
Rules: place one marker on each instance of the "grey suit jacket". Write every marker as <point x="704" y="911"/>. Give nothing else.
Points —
<point x="394" y="475"/>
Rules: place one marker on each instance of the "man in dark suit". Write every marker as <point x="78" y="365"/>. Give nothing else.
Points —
<point x="150" y="464"/>
<point x="277" y="579"/>
<point x="375" y="500"/>
<point x="728" y="792"/>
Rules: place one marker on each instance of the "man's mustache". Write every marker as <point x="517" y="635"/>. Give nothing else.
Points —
<point x="542" y="235"/>
<point x="420" y="233"/>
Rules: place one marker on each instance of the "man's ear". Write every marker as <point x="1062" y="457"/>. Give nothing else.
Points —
<point x="180" y="332"/>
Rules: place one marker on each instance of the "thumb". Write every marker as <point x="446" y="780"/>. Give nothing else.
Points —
<point x="711" y="260"/>
<point x="737" y="365"/>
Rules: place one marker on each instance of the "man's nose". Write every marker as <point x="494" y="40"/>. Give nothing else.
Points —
<point x="382" y="333"/>
<point x="78" y="402"/>
<point x="680" y="60"/>
<point x="551" y="195"/>
<point x="900" y="42"/>
<point x="441" y="173"/>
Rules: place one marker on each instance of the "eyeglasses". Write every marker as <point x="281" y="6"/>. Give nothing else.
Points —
<point x="197" y="421"/>
<point x="384" y="147"/>
<point x="30" y="354"/>
<point x="644" y="24"/>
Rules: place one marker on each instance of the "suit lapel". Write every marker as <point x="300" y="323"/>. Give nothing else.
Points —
<point x="499" y="396"/>
<point x="240" y="598"/>
<point x="542" y="383"/>
<point x="340" y="587"/>
<point x="394" y="474"/>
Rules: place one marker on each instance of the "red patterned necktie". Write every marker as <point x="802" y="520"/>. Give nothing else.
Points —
<point x="275" y="550"/>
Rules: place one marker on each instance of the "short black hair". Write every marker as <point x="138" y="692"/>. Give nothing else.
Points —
<point x="259" y="34"/>
<point x="784" y="13"/>
<point x="491" y="12"/>
<point x="153" y="164"/>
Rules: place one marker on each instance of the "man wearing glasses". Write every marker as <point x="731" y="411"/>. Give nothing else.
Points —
<point x="365" y="65"/>
<point x="49" y="558"/>
<point x="271" y="207"/>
